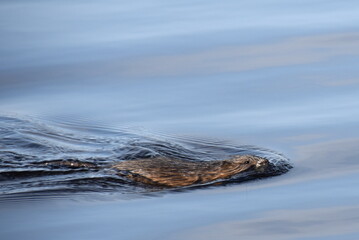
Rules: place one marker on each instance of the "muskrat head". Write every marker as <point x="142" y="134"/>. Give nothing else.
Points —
<point x="249" y="162"/>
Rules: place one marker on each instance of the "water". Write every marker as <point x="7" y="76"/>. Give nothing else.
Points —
<point x="203" y="79"/>
<point x="37" y="157"/>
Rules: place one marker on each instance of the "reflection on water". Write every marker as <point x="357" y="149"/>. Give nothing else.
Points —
<point x="322" y="223"/>
<point x="276" y="74"/>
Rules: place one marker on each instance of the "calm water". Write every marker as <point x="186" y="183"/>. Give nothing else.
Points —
<point x="90" y="79"/>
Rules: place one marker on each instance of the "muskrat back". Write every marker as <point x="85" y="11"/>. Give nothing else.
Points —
<point x="176" y="173"/>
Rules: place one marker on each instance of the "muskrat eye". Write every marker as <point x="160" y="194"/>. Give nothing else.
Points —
<point x="246" y="162"/>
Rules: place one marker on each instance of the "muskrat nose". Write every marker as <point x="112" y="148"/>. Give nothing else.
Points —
<point x="261" y="163"/>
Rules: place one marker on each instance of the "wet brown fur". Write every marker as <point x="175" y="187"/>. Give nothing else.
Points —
<point x="178" y="173"/>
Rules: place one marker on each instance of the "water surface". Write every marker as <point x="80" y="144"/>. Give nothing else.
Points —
<point x="273" y="74"/>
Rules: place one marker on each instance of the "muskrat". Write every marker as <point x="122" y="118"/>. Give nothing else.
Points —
<point x="168" y="172"/>
<point x="178" y="173"/>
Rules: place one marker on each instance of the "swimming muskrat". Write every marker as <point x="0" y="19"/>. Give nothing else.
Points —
<point x="162" y="171"/>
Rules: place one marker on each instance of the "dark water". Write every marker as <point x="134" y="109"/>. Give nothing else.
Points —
<point x="108" y="81"/>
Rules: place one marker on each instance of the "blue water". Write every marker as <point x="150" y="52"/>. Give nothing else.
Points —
<point x="274" y="74"/>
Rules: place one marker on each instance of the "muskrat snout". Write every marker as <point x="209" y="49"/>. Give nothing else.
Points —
<point x="261" y="164"/>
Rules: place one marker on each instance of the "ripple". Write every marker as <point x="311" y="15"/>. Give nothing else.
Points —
<point x="28" y="146"/>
